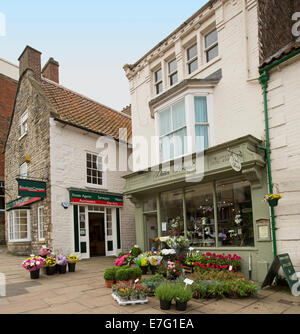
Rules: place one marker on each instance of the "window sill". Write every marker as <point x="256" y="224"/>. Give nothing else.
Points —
<point x="19" y="241"/>
<point x="23" y="135"/>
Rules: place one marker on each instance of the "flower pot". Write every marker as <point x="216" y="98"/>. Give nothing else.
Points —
<point x="109" y="284"/>
<point x="50" y="270"/>
<point x="35" y="274"/>
<point x="181" y="306"/>
<point x="71" y="267"/>
<point x="133" y="298"/>
<point x="273" y="202"/>
<point x="62" y="269"/>
<point x="144" y="270"/>
<point x="153" y="269"/>
<point x="165" y="304"/>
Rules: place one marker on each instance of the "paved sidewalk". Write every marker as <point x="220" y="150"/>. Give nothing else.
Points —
<point x="83" y="292"/>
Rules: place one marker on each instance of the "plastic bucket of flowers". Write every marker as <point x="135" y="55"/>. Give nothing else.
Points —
<point x="33" y="265"/>
<point x="62" y="262"/>
<point x="154" y="262"/>
<point x="72" y="260"/>
<point x="50" y="265"/>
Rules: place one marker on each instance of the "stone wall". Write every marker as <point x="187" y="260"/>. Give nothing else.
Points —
<point x="34" y="144"/>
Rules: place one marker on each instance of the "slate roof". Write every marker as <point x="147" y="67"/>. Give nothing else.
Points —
<point x="78" y="110"/>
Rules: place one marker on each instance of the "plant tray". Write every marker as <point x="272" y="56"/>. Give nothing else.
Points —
<point x="129" y="302"/>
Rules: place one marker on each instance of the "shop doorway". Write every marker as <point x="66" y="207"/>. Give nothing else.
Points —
<point x="97" y="233"/>
<point x="151" y="230"/>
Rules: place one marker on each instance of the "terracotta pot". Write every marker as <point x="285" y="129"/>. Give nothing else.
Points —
<point x="109" y="284"/>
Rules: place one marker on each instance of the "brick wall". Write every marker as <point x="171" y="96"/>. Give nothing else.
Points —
<point x="8" y="89"/>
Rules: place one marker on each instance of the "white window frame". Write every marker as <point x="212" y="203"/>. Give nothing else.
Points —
<point x="24" y="165"/>
<point x="171" y="74"/>
<point x="11" y="220"/>
<point x="188" y="97"/>
<point x="158" y="82"/>
<point x="195" y="58"/>
<point x="104" y="174"/>
<point x="207" y="49"/>
<point x="2" y="185"/>
<point x="24" y="125"/>
<point x="41" y="236"/>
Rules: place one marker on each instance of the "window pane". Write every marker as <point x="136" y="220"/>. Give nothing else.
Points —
<point x="235" y="217"/>
<point x="149" y="205"/>
<point x="201" y="137"/>
<point x="192" y="52"/>
<point x="165" y="122"/>
<point x="211" y="38"/>
<point x="173" y="79"/>
<point x="179" y="143"/>
<point x="201" y="109"/>
<point x="212" y="53"/>
<point x="200" y="216"/>
<point x="2" y="203"/>
<point x="172" y="213"/>
<point x="166" y="148"/>
<point x="193" y="66"/>
<point x="172" y="66"/>
<point x="158" y="88"/>
<point x="158" y="75"/>
<point x="178" y="115"/>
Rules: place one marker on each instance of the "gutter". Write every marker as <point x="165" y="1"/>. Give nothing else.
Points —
<point x="264" y="79"/>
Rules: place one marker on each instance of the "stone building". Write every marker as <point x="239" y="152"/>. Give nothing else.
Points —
<point x="279" y="34"/>
<point x="9" y="75"/>
<point x="60" y="194"/>
<point x="196" y="97"/>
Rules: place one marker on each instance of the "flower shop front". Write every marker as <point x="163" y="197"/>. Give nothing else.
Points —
<point x="221" y="211"/>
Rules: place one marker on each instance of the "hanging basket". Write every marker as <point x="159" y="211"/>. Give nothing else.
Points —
<point x="273" y="202"/>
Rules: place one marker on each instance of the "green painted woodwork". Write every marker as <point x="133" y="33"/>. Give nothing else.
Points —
<point x="30" y="188"/>
<point x="76" y="233"/>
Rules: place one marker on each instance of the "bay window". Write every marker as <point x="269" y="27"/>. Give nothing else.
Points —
<point x="201" y="123"/>
<point x="19" y="225"/>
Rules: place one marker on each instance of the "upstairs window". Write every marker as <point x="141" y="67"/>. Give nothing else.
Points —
<point x="173" y="132"/>
<point x="23" y="171"/>
<point x="173" y="74"/>
<point x="158" y="82"/>
<point x="2" y="195"/>
<point x="211" y="45"/>
<point x="192" y="58"/>
<point x="23" y="124"/>
<point x="94" y="169"/>
<point x="201" y="123"/>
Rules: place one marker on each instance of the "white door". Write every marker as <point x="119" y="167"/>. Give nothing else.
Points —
<point x="110" y="232"/>
<point x="84" y="232"/>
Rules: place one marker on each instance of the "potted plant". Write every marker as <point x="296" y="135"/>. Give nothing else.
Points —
<point x="122" y="276"/>
<point x="50" y="265"/>
<point x="154" y="262"/>
<point x="165" y="293"/>
<point x="142" y="262"/>
<point x="72" y="260"/>
<point x="33" y="265"/>
<point x="182" y="294"/>
<point x="62" y="262"/>
<point x="123" y="293"/>
<point x="272" y="199"/>
<point x="152" y="283"/>
<point x="109" y="277"/>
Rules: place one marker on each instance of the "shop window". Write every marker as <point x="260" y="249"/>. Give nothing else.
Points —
<point x="94" y="169"/>
<point x="109" y="228"/>
<point x="173" y="132"/>
<point x="172" y="213"/>
<point x="200" y="216"/>
<point x="149" y="205"/>
<point x="211" y="45"/>
<point x="19" y="225"/>
<point x="82" y="221"/>
<point x="41" y="222"/>
<point x="2" y="196"/>
<point x="235" y="219"/>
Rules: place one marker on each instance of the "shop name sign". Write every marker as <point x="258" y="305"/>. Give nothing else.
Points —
<point x="21" y="202"/>
<point x="81" y="197"/>
<point x="30" y="188"/>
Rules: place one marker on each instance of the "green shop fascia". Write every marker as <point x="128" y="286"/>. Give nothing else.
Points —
<point x="215" y="200"/>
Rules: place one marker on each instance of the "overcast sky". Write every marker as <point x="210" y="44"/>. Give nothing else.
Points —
<point x="92" y="40"/>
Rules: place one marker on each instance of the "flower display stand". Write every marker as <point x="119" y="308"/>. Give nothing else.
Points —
<point x="129" y="302"/>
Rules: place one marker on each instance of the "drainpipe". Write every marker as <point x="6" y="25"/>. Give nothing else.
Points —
<point x="264" y="79"/>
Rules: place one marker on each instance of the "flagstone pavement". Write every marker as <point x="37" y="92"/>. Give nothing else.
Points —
<point x="84" y="292"/>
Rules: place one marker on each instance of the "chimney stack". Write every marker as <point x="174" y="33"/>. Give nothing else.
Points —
<point x="30" y="59"/>
<point x="51" y="70"/>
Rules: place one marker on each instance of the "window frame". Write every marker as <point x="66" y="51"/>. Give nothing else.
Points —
<point x="159" y="82"/>
<point x="94" y="185"/>
<point x="13" y="215"/>
<point x="2" y="186"/>
<point x="210" y="47"/>
<point x="39" y="223"/>
<point x="192" y="60"/>
<point x="171" y="74"/>
<point x="24" y="121"/>
<point x="21" y="175"/>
